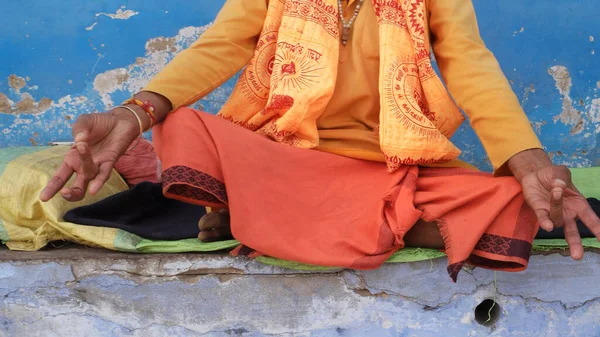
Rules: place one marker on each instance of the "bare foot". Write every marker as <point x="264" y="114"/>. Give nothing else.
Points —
<point x="215" y="226"/>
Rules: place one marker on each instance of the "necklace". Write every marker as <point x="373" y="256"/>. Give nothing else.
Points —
<point x="347" y="25"/>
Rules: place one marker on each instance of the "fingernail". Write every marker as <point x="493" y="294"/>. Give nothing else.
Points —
<point x="78" y="136"/>
<point x="94" y="188"/>
<point x="560" y="182"/>
<point x="557" y="195"/>
<point x="66" y="196"/>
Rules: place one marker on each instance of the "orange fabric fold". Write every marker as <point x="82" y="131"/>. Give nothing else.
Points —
<point x="319" y="208"/>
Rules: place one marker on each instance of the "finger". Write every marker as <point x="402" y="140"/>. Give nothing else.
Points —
<point x="556" y="207"/>
<point x="88" y="167"/>
<point x="101" y="178"/>
<point x="591" y="220"/>
<point x="57" y="182"/>
<point x="82" y="127"/>
<point x="573" y="239"/>
<point x="76" y="191"/>
<point x="544" y="220"/>
<point x="561" y="175"/>
<point x="88" y="171"/>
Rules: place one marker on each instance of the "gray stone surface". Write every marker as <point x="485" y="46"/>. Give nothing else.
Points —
<point x="85" y="292"/>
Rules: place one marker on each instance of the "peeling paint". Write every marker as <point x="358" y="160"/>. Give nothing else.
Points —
<point x="109" y="82"/>
<point x="28" y="105"/>
<point x="520" y="31"/>
<point x="120" y="14"/>
<point x="569" y="115"/>
<point x="528" y="90"/>
<point x="33" y="140"/>
<point x="160" y="44"/>
<point x="5" y="104"/>
<point x="594" y="111"/>
<point x="106" y="88"/>
<point x="537" y="126"/>
<point x="159" y="51"/>
<point x="16" y="82"/>
<point x="91" y="27"/>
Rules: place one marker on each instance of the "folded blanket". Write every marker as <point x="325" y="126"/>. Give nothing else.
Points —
<point x="142" y="210"/>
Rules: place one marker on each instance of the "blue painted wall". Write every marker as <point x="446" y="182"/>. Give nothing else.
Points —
<point x="63" y="58"/>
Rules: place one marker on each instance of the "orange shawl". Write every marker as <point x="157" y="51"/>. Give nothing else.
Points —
<point x="288" y="83"/>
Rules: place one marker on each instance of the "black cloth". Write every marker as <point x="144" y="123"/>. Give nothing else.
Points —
<point x="559" y="233"/>
<point x="142" y="210"/>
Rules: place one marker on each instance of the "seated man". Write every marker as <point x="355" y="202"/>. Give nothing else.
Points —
<point x="334" y="148"/>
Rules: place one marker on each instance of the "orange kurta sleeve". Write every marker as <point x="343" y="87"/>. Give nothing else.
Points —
<point x="476" y="82"/>
<point x="220" y="52"/>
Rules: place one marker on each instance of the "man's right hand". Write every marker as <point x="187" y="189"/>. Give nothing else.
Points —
<point x="100" y="139"/>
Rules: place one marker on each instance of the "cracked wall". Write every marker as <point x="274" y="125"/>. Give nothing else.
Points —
<point x="75" y="293"/>
<point x="58" y="69"/>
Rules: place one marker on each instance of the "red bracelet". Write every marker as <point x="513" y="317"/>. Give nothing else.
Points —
<point x="146" y="106"/>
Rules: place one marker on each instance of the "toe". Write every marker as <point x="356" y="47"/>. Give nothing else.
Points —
<point x="214" y="235"/>
<point x="214" y="226"/>
<point x="209" y="221"/>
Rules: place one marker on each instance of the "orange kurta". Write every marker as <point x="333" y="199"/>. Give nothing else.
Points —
<point x="469" y="69"/>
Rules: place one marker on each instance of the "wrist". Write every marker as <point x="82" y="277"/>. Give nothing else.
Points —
<point x="162" y="106"/>
<point x="527" y="162"/>
<point x="126" y="115"/>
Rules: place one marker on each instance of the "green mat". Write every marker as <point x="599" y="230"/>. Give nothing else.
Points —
<point x="401" y="256"/>
<point x="183" y="246"/>
<point x="587" y="181"/>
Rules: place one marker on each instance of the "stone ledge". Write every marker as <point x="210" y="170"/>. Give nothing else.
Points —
<point x="94" y="292"/>
<point x="85" y="261"/>
<point x="402" y="279"/>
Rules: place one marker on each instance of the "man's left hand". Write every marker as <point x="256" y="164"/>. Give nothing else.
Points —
<point x="549" y="191"/>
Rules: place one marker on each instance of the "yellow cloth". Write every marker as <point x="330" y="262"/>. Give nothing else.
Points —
<point x="346" y="127"/>
<point x="31" y="224"/>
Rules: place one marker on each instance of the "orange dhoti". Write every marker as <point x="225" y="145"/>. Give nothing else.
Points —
<point x="323" y="209"/>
